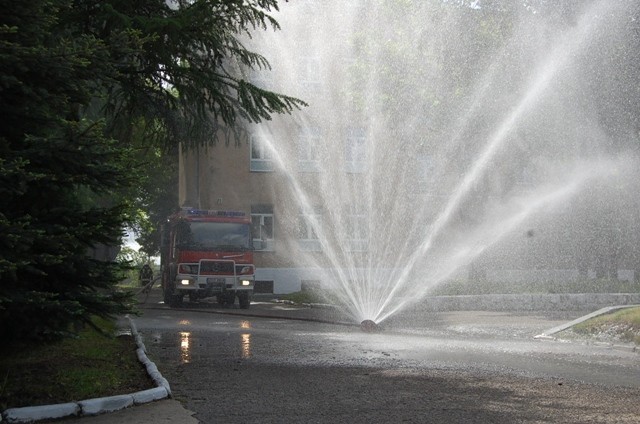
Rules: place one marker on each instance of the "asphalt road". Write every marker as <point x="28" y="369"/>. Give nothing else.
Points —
<point x="467" y="367"/>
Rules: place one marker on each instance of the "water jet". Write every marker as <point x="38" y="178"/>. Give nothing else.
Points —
<point x="428" y="152"/>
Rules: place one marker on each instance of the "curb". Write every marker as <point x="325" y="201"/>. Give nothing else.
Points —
<point x="549" y="334"/>
<point x="97" y="406"/>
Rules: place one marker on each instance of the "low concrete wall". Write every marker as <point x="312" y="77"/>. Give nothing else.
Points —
<point x="289" y="280"/>
<point x="531" y="302"/>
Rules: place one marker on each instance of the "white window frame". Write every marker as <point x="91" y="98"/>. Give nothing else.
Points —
<point x="309" y="140"/>
<point x="425" y="174"/>
<point x="356" y="150"/>
<point x="357" y="232"/>
<point x="265" y="241"/>
<point x="308" y="239"/>
<point x="262" y="161"/>
<point x="526" y="177"/>
<point x="310" y="74"/>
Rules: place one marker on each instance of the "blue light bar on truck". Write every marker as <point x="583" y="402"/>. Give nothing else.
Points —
<point x="211" y="212"/>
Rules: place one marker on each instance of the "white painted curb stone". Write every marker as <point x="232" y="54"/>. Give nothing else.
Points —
<point x="34" y="413"/>
<point x="105" y="404"/>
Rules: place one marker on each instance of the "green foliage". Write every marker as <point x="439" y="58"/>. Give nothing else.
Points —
<point x="179" y="80"/>
<point x="51" y="157"/>
<point x="180" y="76"/>
<point x="133" y="261"/>
<point x="132" y="257"/>
<point x="94" y="364"/>
<point x="95" y="96"/>
<point x="623" y="324"/>
<point x="156" y="197"/>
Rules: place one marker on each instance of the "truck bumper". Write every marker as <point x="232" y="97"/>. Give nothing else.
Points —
<point x="214" y="285"/>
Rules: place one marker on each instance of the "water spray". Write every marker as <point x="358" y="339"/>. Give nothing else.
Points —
<point x="406" y="247"/>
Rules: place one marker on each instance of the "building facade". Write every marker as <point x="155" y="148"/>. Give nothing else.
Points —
<point x="378" y="174"/>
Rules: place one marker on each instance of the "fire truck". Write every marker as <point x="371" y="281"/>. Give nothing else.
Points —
<point x="207" y="253"/>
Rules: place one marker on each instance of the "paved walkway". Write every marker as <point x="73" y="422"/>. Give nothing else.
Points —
<point x="155" y="405"/>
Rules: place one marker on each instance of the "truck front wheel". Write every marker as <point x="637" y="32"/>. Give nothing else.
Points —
<point x="174" y="300"/>
<point x="171" y="298"/>
<point x="244" y="300"/>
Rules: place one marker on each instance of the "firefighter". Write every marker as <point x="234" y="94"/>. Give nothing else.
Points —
<point x="146" y="275"/>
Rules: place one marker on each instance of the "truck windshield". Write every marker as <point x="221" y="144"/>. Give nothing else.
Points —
<point x="213" y="235"/>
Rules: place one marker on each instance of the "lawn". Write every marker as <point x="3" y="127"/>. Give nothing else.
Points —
<point x="622" y="325"/>
<point x="89" y="366"/>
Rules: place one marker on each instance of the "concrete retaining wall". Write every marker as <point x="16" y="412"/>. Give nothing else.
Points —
<point x="531" y="302"/>
<point x="289" y="280"/>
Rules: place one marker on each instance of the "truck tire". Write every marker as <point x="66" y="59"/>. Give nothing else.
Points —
<point x="169" y="294"/>
<point x="170" y="298"/>
<point x="174" y="300"/>
<point x="244" y="300"/>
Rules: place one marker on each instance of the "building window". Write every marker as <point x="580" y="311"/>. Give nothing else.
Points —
<point x="308" y="223"/>
<point x="262" y="221"/>
<point x="308" y="149"/>
<point x="263" y="286"/>
<point x="356" y="150"/>
<point x="526" y="177"/>
<point x="310" y="74"/>
<point x="261" y="158"/>
<point x="311" y="8"/>
<point x="425" y="181"/>
<point x="357" y="231"/>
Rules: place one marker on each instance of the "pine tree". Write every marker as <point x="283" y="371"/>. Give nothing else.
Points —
<point x="82" y="84"/>
<point x="53" y="161"/>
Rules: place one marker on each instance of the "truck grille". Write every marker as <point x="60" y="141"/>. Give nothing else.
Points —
<point x="216" y="267"/>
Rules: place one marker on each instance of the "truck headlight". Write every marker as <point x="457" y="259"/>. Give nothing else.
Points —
<point x="185" y="282"/>
<point x="246" y="282"/>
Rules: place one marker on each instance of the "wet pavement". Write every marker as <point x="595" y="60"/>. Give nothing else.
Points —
<point x="278" y="362"/>
<point x="478" y="340"/>
<point x="286" y="363"/>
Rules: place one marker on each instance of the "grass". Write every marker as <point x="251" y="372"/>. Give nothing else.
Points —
<point x="623" y="325"/>
<point x="89" y="366"/>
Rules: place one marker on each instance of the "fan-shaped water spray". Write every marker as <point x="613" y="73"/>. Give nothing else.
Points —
<point x="436" y="131"/>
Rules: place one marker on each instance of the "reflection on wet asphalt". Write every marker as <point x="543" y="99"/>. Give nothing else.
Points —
<point x="482" y="341"/>
<point x="429" y="367"/>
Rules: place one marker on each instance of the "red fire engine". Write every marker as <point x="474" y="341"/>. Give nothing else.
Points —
<point x="207" y="253"/>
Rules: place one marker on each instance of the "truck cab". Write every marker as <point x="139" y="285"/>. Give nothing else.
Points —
<point x="207" y="253"/>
